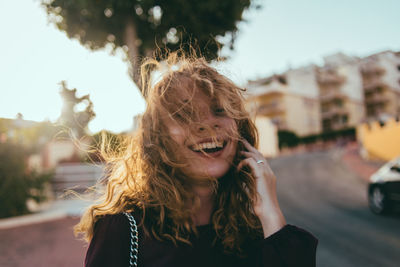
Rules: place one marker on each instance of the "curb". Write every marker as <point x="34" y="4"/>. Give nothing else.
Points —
<point x="57" y="210"/>
<point x="31" y="219"/>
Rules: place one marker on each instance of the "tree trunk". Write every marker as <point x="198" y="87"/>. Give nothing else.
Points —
<point x="131" y="40"/>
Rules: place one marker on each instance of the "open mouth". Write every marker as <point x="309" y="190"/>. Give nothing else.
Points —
<point x="208" y="147"/>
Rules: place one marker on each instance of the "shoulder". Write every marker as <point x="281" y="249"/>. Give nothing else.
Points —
<point x="110" y="243"/>
<point x="110" y="229"/>
<point x="114" y="224"/>
<point x="110" y="221"/>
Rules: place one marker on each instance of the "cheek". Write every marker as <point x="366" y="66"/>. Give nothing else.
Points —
<point x="177" y="134"/>
<point x="230" y="126"/>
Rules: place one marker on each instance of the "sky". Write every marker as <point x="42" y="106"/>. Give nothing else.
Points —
<point x="35" y="56"/>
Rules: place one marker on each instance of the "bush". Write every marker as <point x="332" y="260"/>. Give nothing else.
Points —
<point x="309" y="139"/>
<point x="290" y="139"/>
<point x="287" y="139"/>
<point x="17" y="183"/>
<point x="343" y="133"/>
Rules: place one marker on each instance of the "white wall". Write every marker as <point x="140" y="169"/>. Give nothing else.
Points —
<point x="389" y="61"/>
<point x="302" y="81"/>
<point x="268" y="137"/>
<point x="59" y="150"/>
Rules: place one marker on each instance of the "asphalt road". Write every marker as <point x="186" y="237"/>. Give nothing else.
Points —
<point x="319" y="193"/>
<point x="316" y="191"/>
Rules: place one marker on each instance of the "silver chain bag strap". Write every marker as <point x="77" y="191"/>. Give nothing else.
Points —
<point x="134" y="240"/>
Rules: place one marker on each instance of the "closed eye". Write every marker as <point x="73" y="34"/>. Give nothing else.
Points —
<point x="219" y="111"/>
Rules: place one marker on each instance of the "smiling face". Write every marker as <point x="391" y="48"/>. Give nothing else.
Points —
<point x="207" y="144"/>
<point x="193" y="121"/>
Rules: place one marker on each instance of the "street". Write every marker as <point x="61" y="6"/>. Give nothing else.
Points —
<point x="317" y="192"/>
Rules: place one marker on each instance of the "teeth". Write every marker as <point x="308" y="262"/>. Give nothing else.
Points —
<point x="208" y="145"/>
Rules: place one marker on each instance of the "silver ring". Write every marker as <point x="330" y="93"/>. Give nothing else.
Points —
<point x="259" y="161"/>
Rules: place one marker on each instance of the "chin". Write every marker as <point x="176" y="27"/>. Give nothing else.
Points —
<point x="215" y="170"/>
<point x="214" y="165"/>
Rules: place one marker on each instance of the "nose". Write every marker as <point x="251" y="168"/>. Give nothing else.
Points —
<point x="208" y="121"/>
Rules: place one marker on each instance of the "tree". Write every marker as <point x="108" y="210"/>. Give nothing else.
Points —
<point x="141" y="26"/>
<point x="77" y="121"/>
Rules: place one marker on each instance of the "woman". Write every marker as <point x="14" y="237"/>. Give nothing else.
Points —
<point x="192" y="179"/>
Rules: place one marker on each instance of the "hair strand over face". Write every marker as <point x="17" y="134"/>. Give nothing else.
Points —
<point x="146" y="175"/>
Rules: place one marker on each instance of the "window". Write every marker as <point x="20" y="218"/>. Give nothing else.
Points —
<point x="339" y="102"/>
<point x="395" y="168"/>
<point x="345" y="119"/>
<point x="282" y="79"/>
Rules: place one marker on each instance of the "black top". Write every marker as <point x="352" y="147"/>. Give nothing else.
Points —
<point x="289" y="247"/>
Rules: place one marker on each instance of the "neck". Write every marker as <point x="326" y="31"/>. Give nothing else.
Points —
<point x="206" y="197"/>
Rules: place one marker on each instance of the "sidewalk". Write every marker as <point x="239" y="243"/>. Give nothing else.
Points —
<point x="45" y="244"/>
<point x="58" y="209"/>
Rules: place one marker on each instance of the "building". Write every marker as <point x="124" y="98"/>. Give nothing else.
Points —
<point x="290" y="100"/>
<point x="268" y="141"/>
<point x="48" y="143"/>
<point x="381" y="82"/>
<point x="341" y="92"/>
<point x="380" y="141"/>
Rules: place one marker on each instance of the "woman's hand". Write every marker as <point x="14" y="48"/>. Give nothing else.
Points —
<point x="266" y="207"/>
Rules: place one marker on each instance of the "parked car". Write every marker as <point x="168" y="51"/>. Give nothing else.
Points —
<point x="384" y="188"/>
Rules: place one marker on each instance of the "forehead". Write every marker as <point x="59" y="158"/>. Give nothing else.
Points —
<point x="196" y="97"/>
<point x="190" y="94"/>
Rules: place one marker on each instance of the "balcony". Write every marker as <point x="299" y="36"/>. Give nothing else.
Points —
<point x="271" y="109"/>
<point x="329" y="77"/>
<point x="280" y="123"/>
<point x="335" y="123"/>
<point x="338" y="125"/>
<point x="371" y="68"/>
<point x="372" y="83"/>
<point x="375" y="110"/>
<point x="375" y="99"/>
<point x="332" y="112"/>
<point x="328" y="95"/>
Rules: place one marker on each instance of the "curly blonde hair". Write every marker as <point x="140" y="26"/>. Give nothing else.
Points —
<point x="145" y="175"/>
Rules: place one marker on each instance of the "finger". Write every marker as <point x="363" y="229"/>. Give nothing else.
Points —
<point x="264" y="162"/>
<point x="249" y="147"/>
<point x="243" y="163"/>
<point x="247" y="154"/>
<point x="251" y="154"/>
<point x="251" y="163"/>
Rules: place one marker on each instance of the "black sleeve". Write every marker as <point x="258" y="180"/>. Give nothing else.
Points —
<point x="110" y="243"/>
<point x="290" y="247"/>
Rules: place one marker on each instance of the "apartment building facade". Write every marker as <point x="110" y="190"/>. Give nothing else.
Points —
<point x="381" y="82"/>
<point x="290" y="100"/>
<point x="342" y="93"/>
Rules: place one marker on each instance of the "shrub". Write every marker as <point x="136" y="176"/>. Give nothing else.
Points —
<point x="287" y="139"/>
<point x="17" y="183"/>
